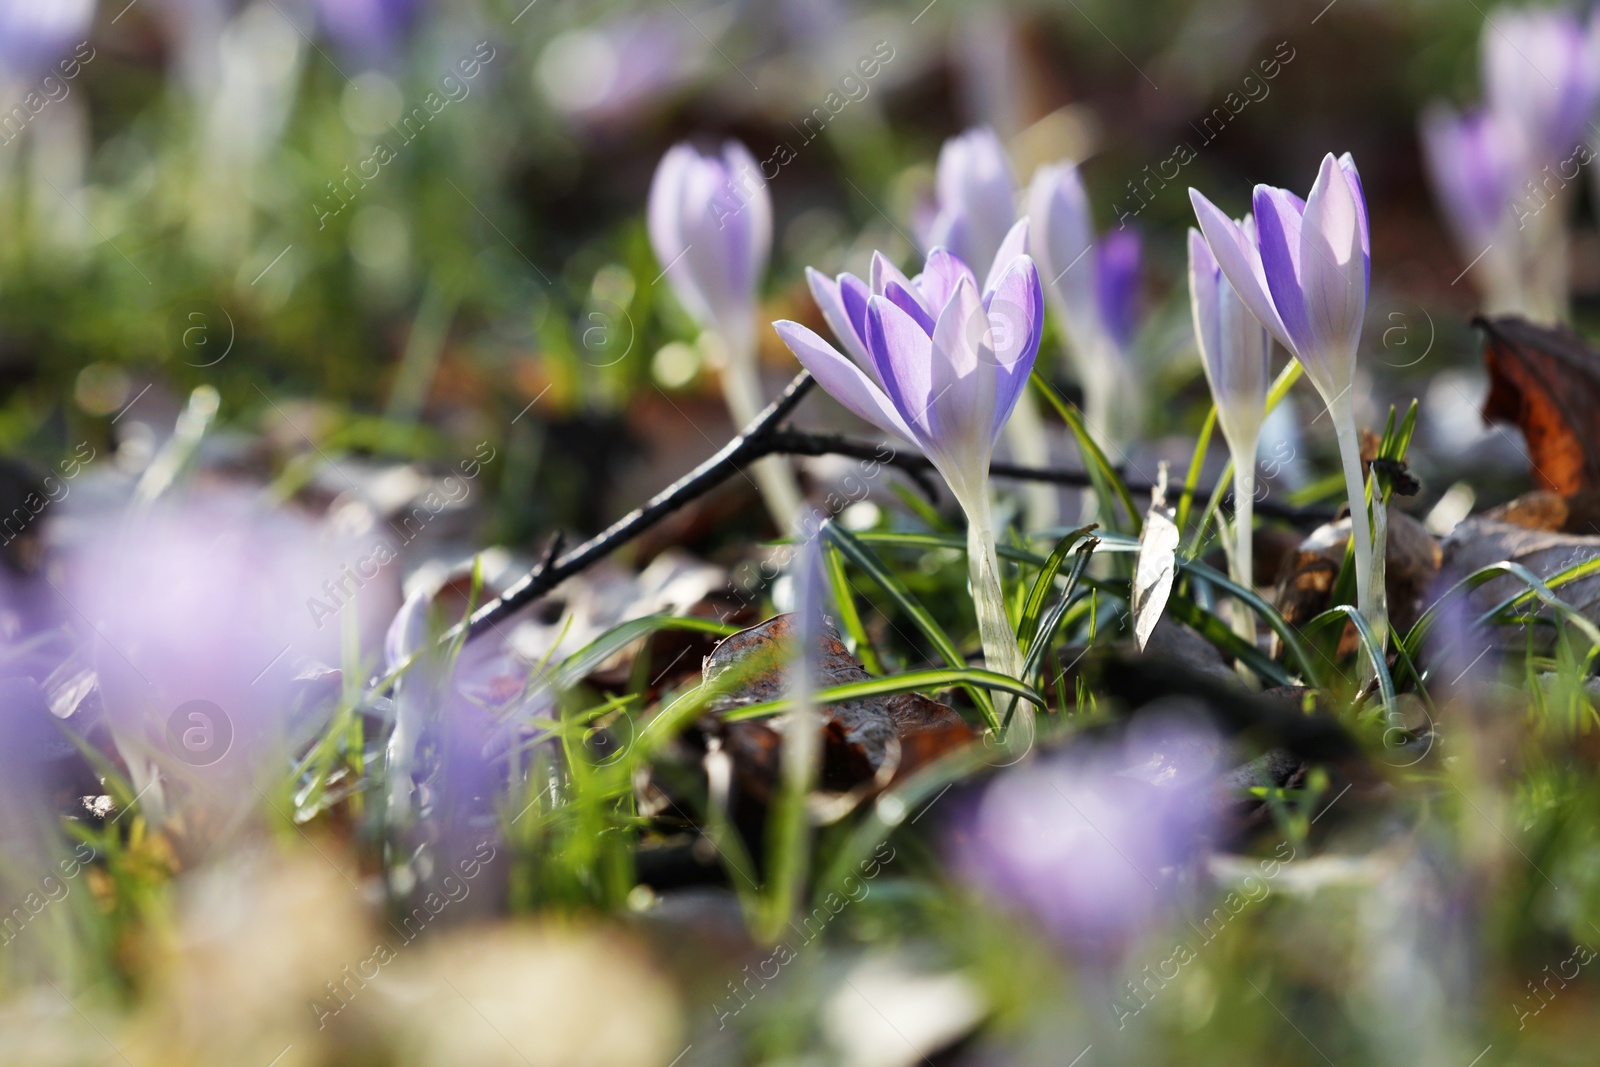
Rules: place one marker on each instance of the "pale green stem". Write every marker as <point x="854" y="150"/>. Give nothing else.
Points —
<point x="1342" y="411"/>
<point x="791" y="823"/>
<point x="741" y="387"/>
<point x="1025" y="433"/>
<point x="1001" y="653"/>
<point x="1244" y="502"/>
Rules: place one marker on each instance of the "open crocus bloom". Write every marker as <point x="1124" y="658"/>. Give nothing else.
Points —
<point x="939" y="363"/>
<point x="1304" y="275"/>
<point x="1235" y="351"/>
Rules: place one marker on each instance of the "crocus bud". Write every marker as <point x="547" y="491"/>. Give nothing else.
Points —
<point x="977" y="196"/>
<point x="1094" y="287"/>
<point x="1235" y="351"/>
<point x="710" y="222"/>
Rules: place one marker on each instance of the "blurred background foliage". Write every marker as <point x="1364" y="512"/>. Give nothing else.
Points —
<point x="202" y="205"/>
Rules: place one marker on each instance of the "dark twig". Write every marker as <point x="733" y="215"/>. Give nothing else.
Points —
<point x="747" y="447"/>
<point x="764" y="438"/>
<point x="800" y="443"/>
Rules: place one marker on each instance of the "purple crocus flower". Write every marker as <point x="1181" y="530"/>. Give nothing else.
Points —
<point x="1304" y="275"/>
<point x="977" y="193"/>
<point x="1472" y="164"/>
<point x="1092" y="843"/>
<point x="216" y="599"/>
<point x="368" y="29"/>
<point x="1094" y="286"/>
<point x="35" y="33"/>
<point x="710" y="223"/>
<point x="944" y="365"/>
<point x="1541" y="78"/>
<point x="1236" y="353"/>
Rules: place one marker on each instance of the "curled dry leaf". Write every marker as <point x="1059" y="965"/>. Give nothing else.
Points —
<point x="1547" y="382"/>
<point x="1479" y="542"/>
<point x="889" y="734"/>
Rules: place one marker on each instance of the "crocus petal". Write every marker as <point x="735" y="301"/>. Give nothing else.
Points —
<point x="1015" y="306"/>
<point x="907" y="300"/>
<point x="940" y="276"/>
<point x="1015" y="244"/>
<point x="1117" y="284"/>
<point x="751" y="220"/>
<point x="831" y="300"/>
<point x="962" y="378"/>
<point x="1347" y="164"/>
<point x="883" y="272"/>
<point x="904" y="356"/>
<point x="1335" y="278"/>
<point x="1240" y="261"/>
<point x="842" y="379"/>
<point x="1279" y="222"/>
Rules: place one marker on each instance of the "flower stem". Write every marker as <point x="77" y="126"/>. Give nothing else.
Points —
<point x="1244" y="493"/>
<point x="1001" y="653"/>
<point x="741" y="388"/>
<point x="1368" y="601"/>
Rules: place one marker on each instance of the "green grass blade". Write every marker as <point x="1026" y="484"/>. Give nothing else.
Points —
<point x="1108" y="483"/>
<point x="845" y="603"/>
<point x="1041" y="585"/>
<point x="912" y="681"/>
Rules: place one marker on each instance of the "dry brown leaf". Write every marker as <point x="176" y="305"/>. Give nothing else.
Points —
<point x="1412" y="560"/>
<point x="905" y="730"/>
<point x="1479" y="542"/>
<point x="1547" y="382"/>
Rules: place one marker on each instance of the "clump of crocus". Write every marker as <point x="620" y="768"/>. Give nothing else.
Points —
<point x="1504" y="174"/>
<point x="1094" y="286"/>
<point x="1236" y="352"/>
<point x="940" y="363"/>
<point x="710" y="222"/>
<point x="1093" y="843"/>
<point x="977" y="208"/>
<point x="1304" y="274"/>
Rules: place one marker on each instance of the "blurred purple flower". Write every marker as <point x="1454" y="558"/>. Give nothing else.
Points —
<point x="215" y="598"/>
<point x="1095" y="289"/>
<point x="710" y="222"/>
<point x="35" y="33"/>
<point x="1541" y="79"/>
<point x="368" y="29"/>
<point x="618" y="73"/>
<point x="1093" y="843"/>
<point x="1472" y="162"/>
<point x="977" y="193"/>
<point x="1117" y="277"/>
<point x="938" y="363"/>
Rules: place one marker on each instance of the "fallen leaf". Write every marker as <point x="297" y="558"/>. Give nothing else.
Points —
<point x="861" y="737"/>
<point x="1479" y="542"/>
<point x="1411" y="562"/>
<point x="1547" y="382"/>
